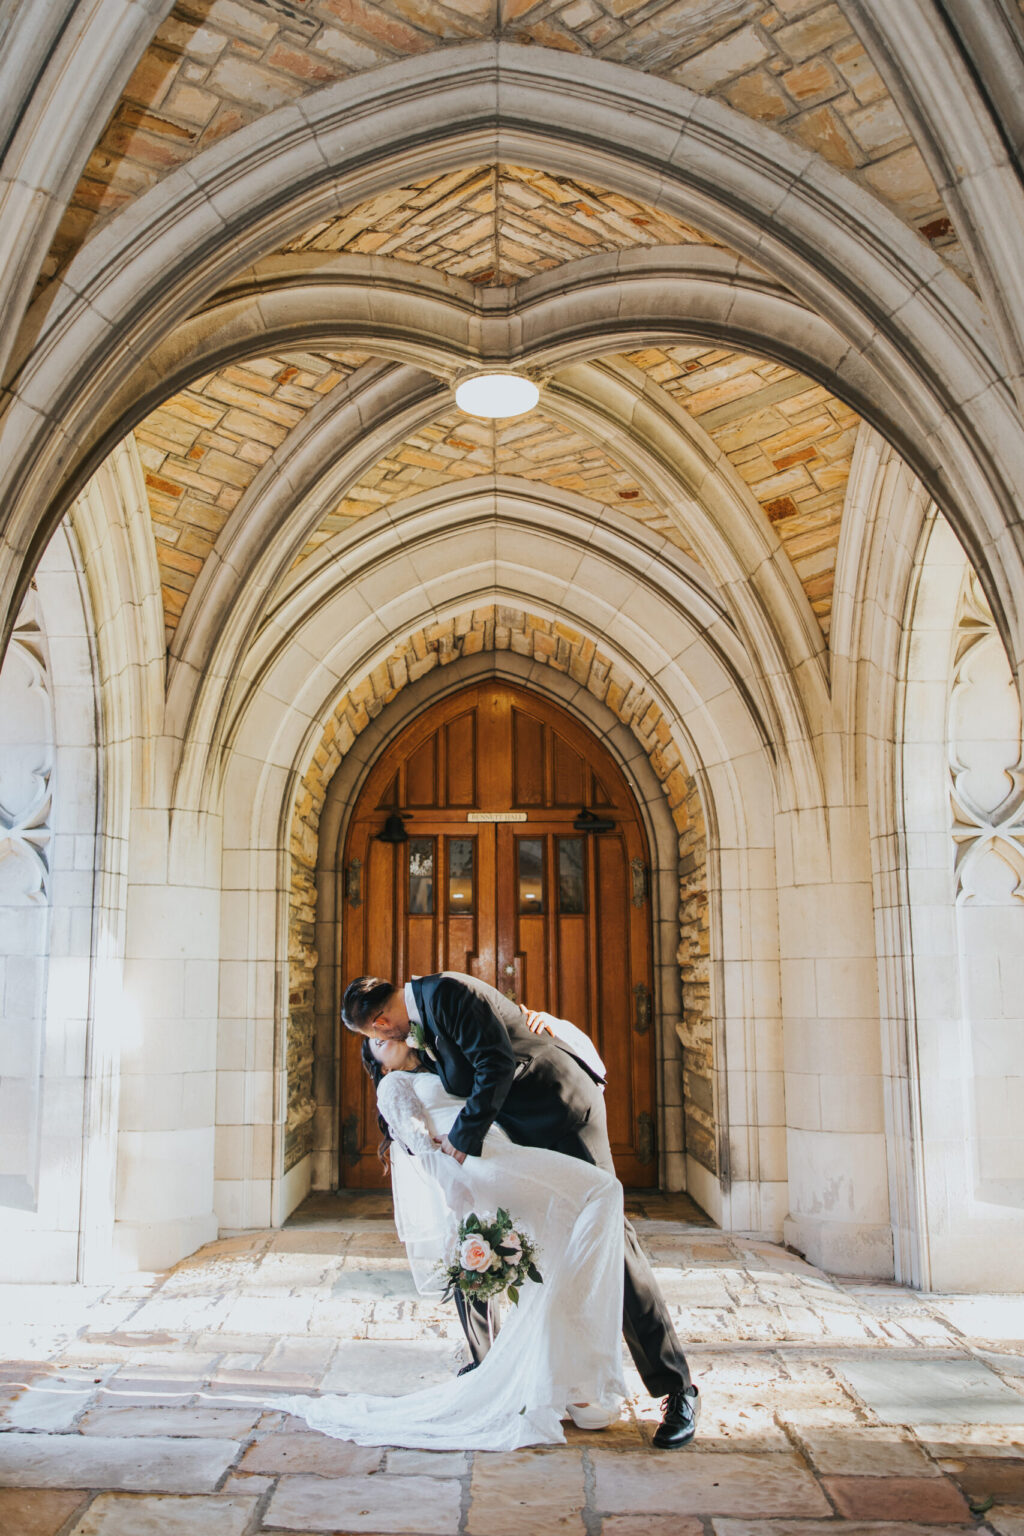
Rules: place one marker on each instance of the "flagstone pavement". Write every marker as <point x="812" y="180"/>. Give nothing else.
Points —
<point x="830" y="1405"/>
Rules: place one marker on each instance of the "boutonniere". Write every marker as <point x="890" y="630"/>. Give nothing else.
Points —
<point x="419" y="1039"/>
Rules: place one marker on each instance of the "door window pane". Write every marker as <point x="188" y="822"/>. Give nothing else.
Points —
<point x="460" y="874"/>
<point x="531" y="874"/>
<point x="421" y="876"/>
<point x="570" y="876"/>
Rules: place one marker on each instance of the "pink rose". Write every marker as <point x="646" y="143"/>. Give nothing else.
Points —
<point x="475" y="1253"/>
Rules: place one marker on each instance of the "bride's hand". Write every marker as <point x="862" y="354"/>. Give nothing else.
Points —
<point x="449" y="1150"/>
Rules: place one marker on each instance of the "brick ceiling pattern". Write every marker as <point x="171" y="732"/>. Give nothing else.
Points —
<point x="218" y="64"/>
<point x="495" y="224"/>
<point x="457" y="448"/>
<point x="215" y="65"/>
<point x="786" y="437"/>
<point x="203" y="447"/>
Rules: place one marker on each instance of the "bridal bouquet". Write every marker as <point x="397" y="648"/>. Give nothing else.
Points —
<point x="490" y="1256"/>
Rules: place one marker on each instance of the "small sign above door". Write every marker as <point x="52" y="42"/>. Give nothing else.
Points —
<point x="496" y="816"/>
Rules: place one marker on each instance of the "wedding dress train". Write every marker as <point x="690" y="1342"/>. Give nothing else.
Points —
<point x="561" y="1344"/>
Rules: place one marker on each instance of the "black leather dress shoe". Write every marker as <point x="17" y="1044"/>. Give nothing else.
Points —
<point x="681" y="1411"/>
<point x="464" y="1370"/>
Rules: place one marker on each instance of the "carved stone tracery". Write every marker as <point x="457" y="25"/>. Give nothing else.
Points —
<point x="26" y="794"/>
<point x="986" y="767"/>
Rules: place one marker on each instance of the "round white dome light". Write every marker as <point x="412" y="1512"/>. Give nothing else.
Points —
<point x="496" y="394"/>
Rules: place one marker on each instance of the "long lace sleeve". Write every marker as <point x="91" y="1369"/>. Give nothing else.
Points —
<point x="422" y="1217"/>
<point x="400" y="1105"/>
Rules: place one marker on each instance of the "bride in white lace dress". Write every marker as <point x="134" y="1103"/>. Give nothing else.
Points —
<point x="560" y="1345"/>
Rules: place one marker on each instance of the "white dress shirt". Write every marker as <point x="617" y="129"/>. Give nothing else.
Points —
<point x="580" y="1044"/>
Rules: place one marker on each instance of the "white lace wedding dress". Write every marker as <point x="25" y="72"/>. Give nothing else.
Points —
<point x="561" y="1344"/>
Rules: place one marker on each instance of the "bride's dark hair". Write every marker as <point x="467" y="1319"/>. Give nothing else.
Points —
<point x="376" y="1072"/>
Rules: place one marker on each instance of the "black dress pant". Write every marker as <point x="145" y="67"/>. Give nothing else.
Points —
<point x="653" y="1342"/>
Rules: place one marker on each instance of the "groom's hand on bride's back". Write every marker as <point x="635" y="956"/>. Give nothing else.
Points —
<point x="449" y="1150"/>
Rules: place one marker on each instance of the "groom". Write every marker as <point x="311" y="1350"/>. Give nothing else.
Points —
<point x="541" y="1095"/>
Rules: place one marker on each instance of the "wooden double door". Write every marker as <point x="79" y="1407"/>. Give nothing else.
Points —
<point x="494" y="877"/>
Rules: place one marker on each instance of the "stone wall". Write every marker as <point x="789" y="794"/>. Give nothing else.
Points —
<point x="26" y="862"/>
<point x="496" y="628"/>
<point x="694" y="965"/>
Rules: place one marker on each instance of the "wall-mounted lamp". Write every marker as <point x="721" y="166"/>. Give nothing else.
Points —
<point x="393" y="830"/>
<point x="586" y="821"/>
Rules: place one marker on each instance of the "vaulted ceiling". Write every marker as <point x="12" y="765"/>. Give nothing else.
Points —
<point x="205" y="445"/>
<point x="496" y="224"/>
<point x="703" y="227"/>
<point x="216" y="65"/>
<point x="455" y="448"/>
<point x="788" y="439"/>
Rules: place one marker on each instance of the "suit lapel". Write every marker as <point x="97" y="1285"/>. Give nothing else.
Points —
<point x="423" y="993"/>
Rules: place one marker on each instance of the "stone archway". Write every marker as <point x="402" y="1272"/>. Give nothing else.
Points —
<point x="962" y="854"/>
<point x="496" y="877"/>
<point x="672" y="648"/>
<point x="635" y="728"/>
<point x="912" y="327"/>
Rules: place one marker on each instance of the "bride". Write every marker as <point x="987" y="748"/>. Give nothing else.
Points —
<point x="560" y="1346"/>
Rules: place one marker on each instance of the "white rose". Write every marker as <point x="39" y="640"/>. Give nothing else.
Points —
<point x="475" y="1253"/>
<point x="514" y="1243"/>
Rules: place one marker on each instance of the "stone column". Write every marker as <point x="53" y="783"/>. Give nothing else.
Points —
<point x="169" y="1045"/>
<point x="839" y="1201"/>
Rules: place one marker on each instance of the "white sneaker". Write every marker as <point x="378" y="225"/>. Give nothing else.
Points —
<point x="589" y="1415"/>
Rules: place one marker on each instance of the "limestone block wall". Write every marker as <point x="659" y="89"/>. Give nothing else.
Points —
<point x="551" y="644"/>
<point x="986" y="774"/>
<point x="153" y="940"/>
<point x="961" y="792"/>
<point x="695" y="1028"/>
<point x="839" y="1210"/>
<point x="26" y="794"/>
<point x="48" y="790"/>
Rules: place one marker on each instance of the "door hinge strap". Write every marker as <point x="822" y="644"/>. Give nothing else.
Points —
<point x="641" y="1008"/>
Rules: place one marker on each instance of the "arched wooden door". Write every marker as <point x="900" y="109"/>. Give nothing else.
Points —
<point x="496" y="880"/>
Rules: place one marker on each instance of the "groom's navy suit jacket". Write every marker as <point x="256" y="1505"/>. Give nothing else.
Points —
<point x="532" y="1085"/>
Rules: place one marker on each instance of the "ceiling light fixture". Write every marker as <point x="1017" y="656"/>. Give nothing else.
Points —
<point x="496" y="394"/>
